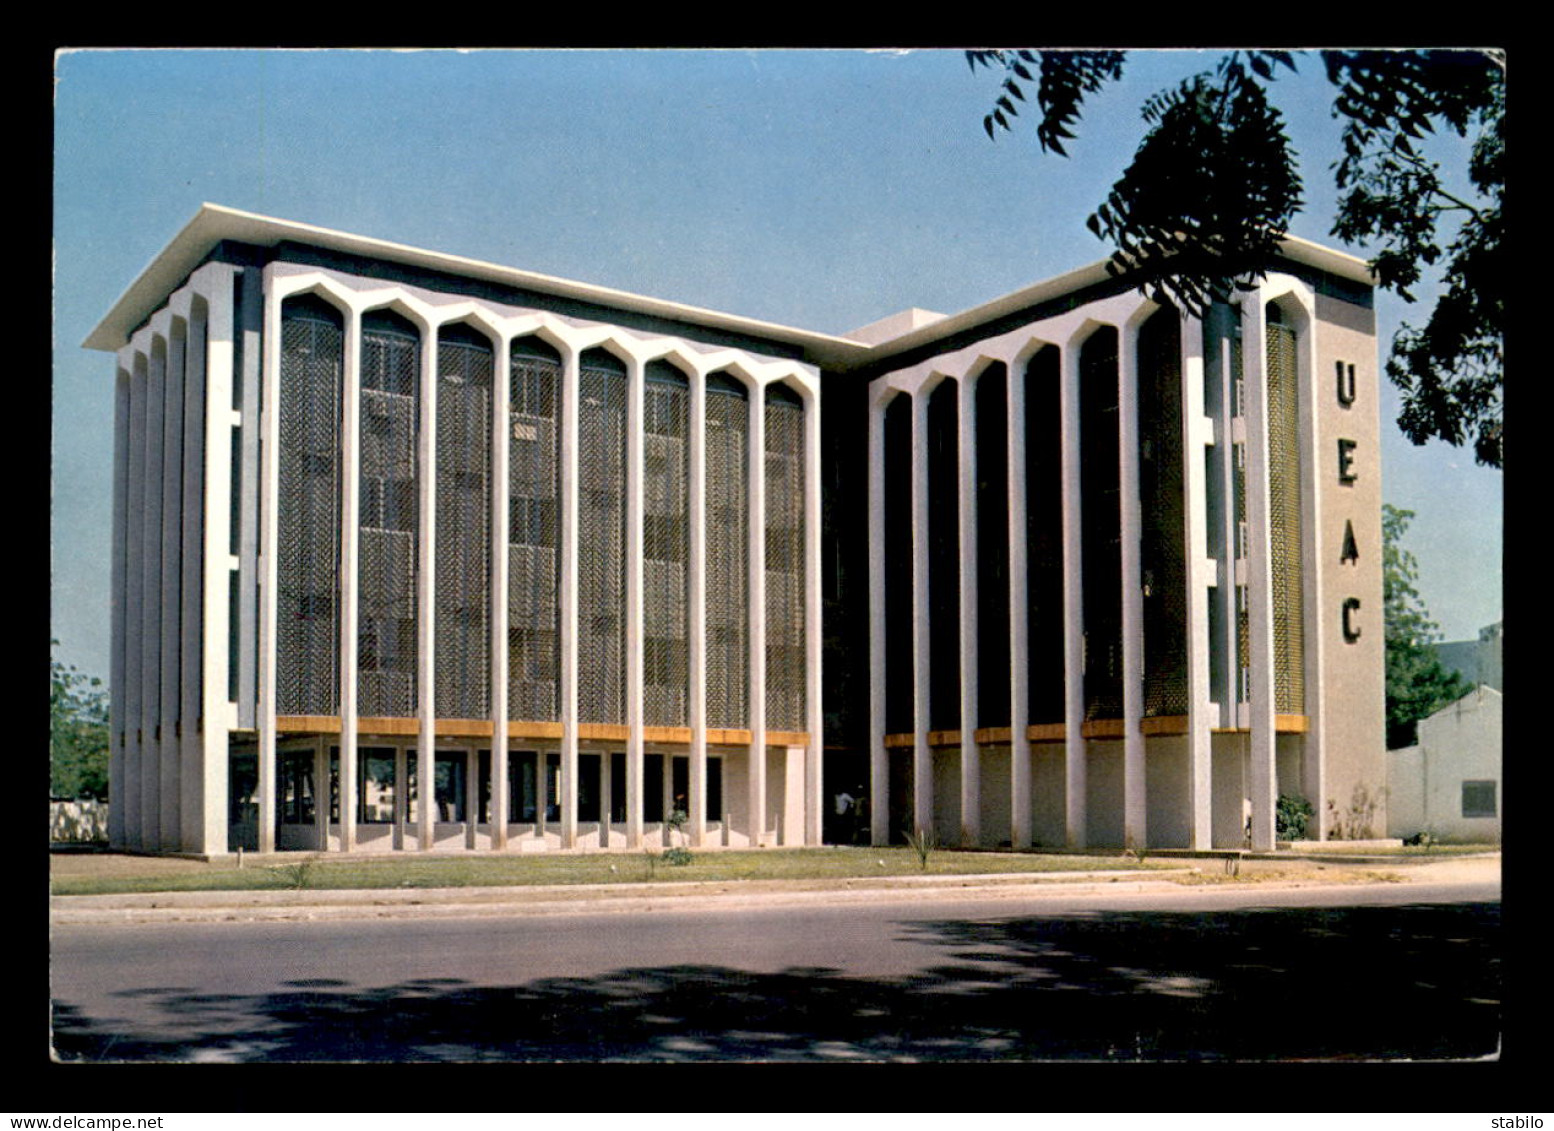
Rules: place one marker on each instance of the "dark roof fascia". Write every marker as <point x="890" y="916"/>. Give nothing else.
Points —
<point x="217" y="231"/>
<point x="446" y="282"/>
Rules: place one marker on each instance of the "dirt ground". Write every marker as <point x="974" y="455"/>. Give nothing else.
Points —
<point x="117" y="864"/>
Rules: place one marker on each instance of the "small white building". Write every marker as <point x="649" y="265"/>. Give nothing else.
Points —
<point x="1448" y="783"/>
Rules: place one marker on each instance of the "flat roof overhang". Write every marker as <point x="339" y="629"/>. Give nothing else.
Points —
<point x="213" y="224"/>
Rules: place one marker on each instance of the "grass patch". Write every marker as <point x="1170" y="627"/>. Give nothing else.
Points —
<point x="316" y="872"/>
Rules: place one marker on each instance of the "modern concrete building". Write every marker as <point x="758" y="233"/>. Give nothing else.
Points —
<point x="513" y="562"/>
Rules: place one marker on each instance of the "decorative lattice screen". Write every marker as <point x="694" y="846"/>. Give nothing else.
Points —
<point x="785" y="667"/>
<point x="463" y="591"/>
<point x="665" y="547"/>
<point x="388" y="518"/>
<point x="308" y="536"/>
<point x="727" y="556"/>
<point x="1284" y="525"/>
<point x="533" y="534"/>
<point x="601" y="534"/>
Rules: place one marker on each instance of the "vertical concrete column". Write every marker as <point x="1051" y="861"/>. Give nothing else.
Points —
<point x="134" y="597"/>
<point x="471" y="796"/>
<point x="814" y="633"/>
<point x="213" y="329"/>
<point x="116" y="667"/>
<point x="569" y="553"/>
<point x="1074" y="767"/>
<point x="204" y="546"/>
<point x="1019" y="623"/>
<point x="171" y="782"/>
<point x="697" y="629"/>
<point x="757" y="532"/>
<point x="635" y="431"/>
<point x="501" y="440"/>
<point x="350" y="560"/>
<point x="922" y="756"/>
<point x="269" y="492"/>
<point x="666" y="798"/>
<point x="966" y="515"/>
<point x="322" y="795"/>
<point x="606" y="784"/>
<point x="401" y="796"/>
<point x="245" y="344"/>
<point x="541" y="789"/>
<point x="1135" y="808"/>
<point x="205" y="576"/>
<point x="1197" y="434"/>
<point x="879" y="758"/>
<point x="151" y="596"/>
<point x="426" y="594"/>
<point x="1262" y="777"/>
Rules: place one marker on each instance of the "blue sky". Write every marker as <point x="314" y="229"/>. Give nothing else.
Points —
<point x="821" y="189"/>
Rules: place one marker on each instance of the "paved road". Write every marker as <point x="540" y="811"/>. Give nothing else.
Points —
<point x="1327" y="973"/>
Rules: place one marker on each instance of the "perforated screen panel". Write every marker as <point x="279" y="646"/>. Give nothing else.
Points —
<point x="463" y="590"/>
<point x="665" y="548"/>
<point x="388" y="518"/>
<point x="785" y="692"/>
<point x="1284" y="522"/>
<point x="727" y="559"/>
<point x="601" y="533"/>
<point x="308" y="536"/>
<point x="533" y="537"/>
<point x="1162" y="507"/>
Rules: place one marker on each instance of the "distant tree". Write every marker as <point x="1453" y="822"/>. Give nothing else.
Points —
<point x="1418" y="684"/>
<point x="78" y="733"/>
<point x="1214" y="185"/>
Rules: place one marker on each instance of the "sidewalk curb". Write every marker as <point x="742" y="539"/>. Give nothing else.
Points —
<point x="576" y="899"/>
<point x="375" y="903"/>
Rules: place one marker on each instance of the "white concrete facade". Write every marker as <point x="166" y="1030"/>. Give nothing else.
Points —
<point x="173" y="503"/>
<point x="1074" y="751"/>
<point x="1123" y="777"/>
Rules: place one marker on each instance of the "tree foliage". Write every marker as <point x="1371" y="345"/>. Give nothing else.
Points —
<point x="78" y="733"/>
<point x="1418" y="684"/>
<point x="1213" y="187"/>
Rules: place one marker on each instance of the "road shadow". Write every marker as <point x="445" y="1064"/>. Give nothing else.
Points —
<point x="1409" y="982"/>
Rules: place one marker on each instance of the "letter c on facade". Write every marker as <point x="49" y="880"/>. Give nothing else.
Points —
<point x="1351" y="630"/>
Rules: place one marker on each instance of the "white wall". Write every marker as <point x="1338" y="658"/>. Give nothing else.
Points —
<point x="1460" y="742"/>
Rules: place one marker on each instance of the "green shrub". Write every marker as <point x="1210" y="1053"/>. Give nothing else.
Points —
<point x="1292" y="817"/>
